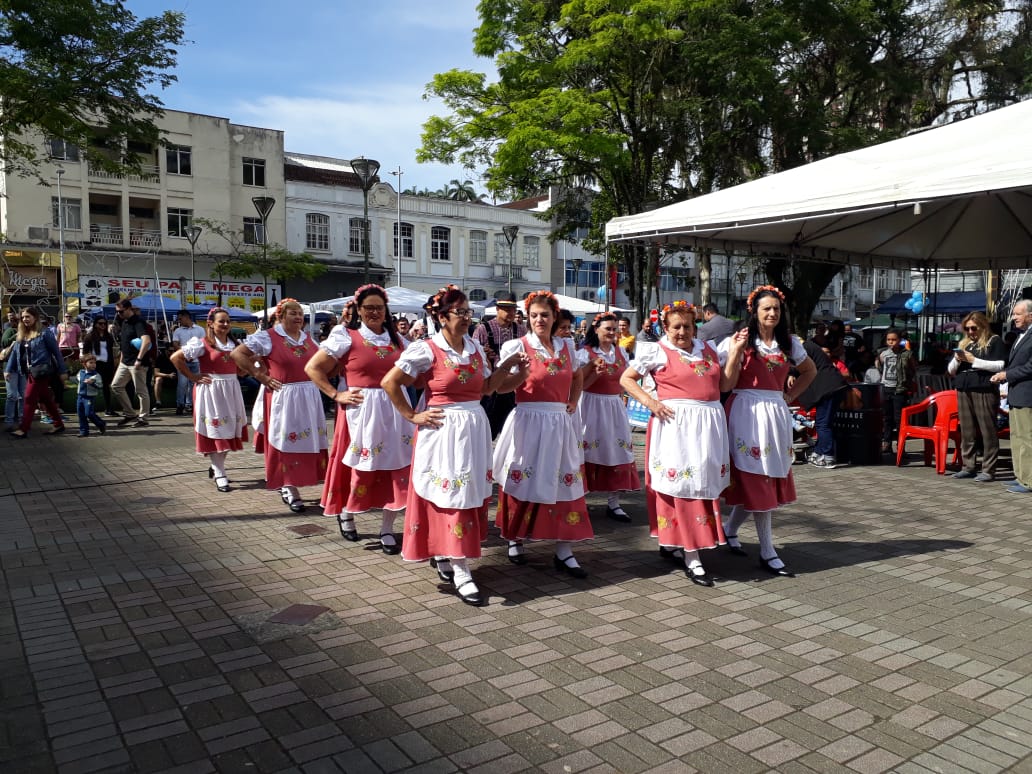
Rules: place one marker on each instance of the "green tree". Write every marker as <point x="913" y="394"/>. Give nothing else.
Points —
<point x="246" y="260"/>
<point x="649" y="102"/>
<point x="461" y="191"/>
<point x="70" y="66"/>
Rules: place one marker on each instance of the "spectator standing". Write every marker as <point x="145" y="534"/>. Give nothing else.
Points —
<point x="187" y="330"/>
<point x="89" y="385"/>
<point x="898" y="379"/>
<point x="134" y="344"/>
<point x="824" y="394"/>
<point x="624" y="338"/>
<point x="1019" y="396"/>
<point x="852" y="347"/>
<point x="715" y="327"/>
<point x="491" y="335"/>
<point x="12" y="322"/>
<point x="978" y="356"/>
<point x="646" y="333"/>
<point x="69" y="336"/>
<point x="35" y="355"/>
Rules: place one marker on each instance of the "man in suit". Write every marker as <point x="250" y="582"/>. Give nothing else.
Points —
<point x="716" y="328"/>
<point x="1019" y="395"/>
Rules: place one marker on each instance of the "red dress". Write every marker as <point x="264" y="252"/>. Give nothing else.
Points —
<point x="760" y="433"/>
<point x="219" y="403"/>
<point x="286" y="363"/>
<point x="351" y="488"/>
<point x="688" y="452"/>
<point x="539" y="452"/>
<point x="607" y="433"/>
<point x="451" y="464"/>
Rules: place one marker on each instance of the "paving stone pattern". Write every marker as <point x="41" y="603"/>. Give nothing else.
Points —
<point x="904" y="645"/>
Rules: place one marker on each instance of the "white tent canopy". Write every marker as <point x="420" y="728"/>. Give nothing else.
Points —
<point x="959" y="195"/>
<point x="399" y="298"/>
<point x="575" y="305"/>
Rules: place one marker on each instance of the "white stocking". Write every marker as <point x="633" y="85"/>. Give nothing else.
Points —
<point x="387" y="527"/>
<point x="693" y="563"/>
<point x="217" y="460"/>
<point x="765" y="533"/>
<point x="733" y="524"/>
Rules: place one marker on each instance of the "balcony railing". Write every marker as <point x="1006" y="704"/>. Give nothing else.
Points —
<point x="144" y="237"/>
<point x="148" y="173"/>
<point x="502" y="271"/>
<point x="106" y="234"/>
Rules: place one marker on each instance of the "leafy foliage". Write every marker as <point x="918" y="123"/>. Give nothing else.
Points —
<point x="69" y="66"/>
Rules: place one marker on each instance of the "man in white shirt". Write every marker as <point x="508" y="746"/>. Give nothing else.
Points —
<point x="187" y="330"/>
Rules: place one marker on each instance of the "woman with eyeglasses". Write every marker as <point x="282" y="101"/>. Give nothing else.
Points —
<point x="446" y="516"/>
<point x="101" y="343"/>
<point x="372" y="443"/>
<point x="979" y="355"/>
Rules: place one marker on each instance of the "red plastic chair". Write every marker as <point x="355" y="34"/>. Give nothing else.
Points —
<point x="936" y="437"/>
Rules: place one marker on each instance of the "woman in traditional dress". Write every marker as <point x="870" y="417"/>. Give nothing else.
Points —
<point x="686" y="449"/>
<point x="220" y="418"/>
<point x="609" y="464"/>
<point x="446" y="516"/>
<point x="756" y="362"/>
<point x="372" y="443"/>
<point x="538" y="460"/>
<point x="294" y="440"/>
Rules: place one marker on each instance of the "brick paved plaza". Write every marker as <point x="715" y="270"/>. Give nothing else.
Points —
<point x="135" y="637"/>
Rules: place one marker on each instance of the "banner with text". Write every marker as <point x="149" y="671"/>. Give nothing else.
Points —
<point x="98" y="291"/>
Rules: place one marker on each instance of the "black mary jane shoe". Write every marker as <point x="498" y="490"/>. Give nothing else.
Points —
<point x="446" y="576"/>
<point x="222" y="484"/>
<point x="390" y="550"/>
<point x="736" y="550"/>
<point x="699" y="580"/>
<point x="619" y="516"/>
<point x="473" y="598"/>
<point x="562" y="565"/>
<point x="350" y="535"/>
<point x="782" y="572"/>
<point x="520" y="558"/>
<point x="298" y="506"/>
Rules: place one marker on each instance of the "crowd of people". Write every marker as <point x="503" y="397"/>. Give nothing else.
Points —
<point x="425" y="426"/>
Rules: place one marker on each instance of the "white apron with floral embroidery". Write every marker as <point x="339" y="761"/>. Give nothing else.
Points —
<point x="688" y="454"/>
<point x="297" y="422"/>
<point x="760" y="432"/>
<point x="451" y="465"/>
<point x="381" y="439"/>
<point x="549" y="470"/>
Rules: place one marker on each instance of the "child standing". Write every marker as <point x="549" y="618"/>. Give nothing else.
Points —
<point x="90" y="383"/>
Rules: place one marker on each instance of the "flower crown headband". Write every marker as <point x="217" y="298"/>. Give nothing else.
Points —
<point x="602" y="317"/>
<point x="216" y="309"/>
<point x="370" y="286"/>
<point x="762" y="288"/>
<point x="435" y="303"/>
<point x="281" y="304"/>
<point x="540" y="295"/>
<point x="680" y="306"/>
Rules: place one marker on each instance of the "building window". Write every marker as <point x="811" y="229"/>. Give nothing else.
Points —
<point x="478" y="247"/>
<point x="177" y="160"/>
<point x="178" y="221"/>
<point x="531" y="250"/>
<point x="406" y="240"/>
<point x="440" y="244"/>
<point x="478" y="294"/>
<point x="357" y="236"/>
<point x="61" y="150"/>
<point x="317" y="231"/>
<point x="501" y="249"/>
<point x="72" y="213"/>
<point x="253" y="233"/>
<point x="254" y="172"/>
<point x="863" y="280"/>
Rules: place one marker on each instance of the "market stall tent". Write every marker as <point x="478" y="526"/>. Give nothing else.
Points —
<point x="958" y="196"/>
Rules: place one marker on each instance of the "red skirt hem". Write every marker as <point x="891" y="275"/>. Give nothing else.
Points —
<point x="682" y="522"/>
<point x="519" y="520"/>
<point x="432" y="531"/>
<point x="756" y="492"/>
<point x="293" y="469"/>
<point x="611" y="478"/>
<point x="206" y="445"/>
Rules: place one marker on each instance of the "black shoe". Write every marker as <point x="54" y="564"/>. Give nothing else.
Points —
<point x="698" y="580"/>
<point x="737" y="550"/>
<point x="179" y="411"/>
<point x="472" y="598"/>
<point x="390" y="550"/>
<point x="298" y="506"/>
<point x="573" y="570"/>
<point x="211" y="472"/>
<point x="348" y="534"/>
<point x="141" y="422"/>
<point x="124" y="421"/>
<point x="619" y="515"/>
<point x="447" y="576"/>
<point x="102" y="429"/>
<point x="783" y="572"/>
<point x="111" y="413"/>
<point x="56" y="431"/>
<point x="520" y="558"/>
<point x="671" y="554"/>
<point x="222" y="484"/>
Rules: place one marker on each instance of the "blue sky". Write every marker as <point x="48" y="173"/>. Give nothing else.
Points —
<point x="341" y="78"/>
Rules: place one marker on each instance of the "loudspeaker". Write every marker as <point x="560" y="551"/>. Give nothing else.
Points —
<point x="1026" y="293"/>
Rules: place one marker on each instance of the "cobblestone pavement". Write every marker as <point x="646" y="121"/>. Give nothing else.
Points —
<point x="134" y="632"/>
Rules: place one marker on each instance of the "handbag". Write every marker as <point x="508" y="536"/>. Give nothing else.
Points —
<point x="42" y="371"/>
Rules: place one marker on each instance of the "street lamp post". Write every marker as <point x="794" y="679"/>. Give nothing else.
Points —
<point x="60" y="242"/>
<point x="510" y="232"/>
<point x="366" y="170"/>
<point x="264" y="205"/>
<point x="740" y="276"/>
<point x="398" y="250"/>
<point x="193" y="233"/>
<point x="576" y="276"/>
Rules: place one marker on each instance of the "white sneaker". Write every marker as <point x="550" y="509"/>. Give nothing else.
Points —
<point x="825" y="461"/>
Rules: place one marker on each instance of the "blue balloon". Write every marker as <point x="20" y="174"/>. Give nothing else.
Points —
<point x="918" y="307"/>
<point x="137" y="342"/>
<point x="601" y="293"/>
<point x="916" y="294"/>
<point x="909" y="305"/>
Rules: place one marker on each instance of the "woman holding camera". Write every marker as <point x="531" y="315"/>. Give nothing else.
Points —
<point x="977" y="357"/>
